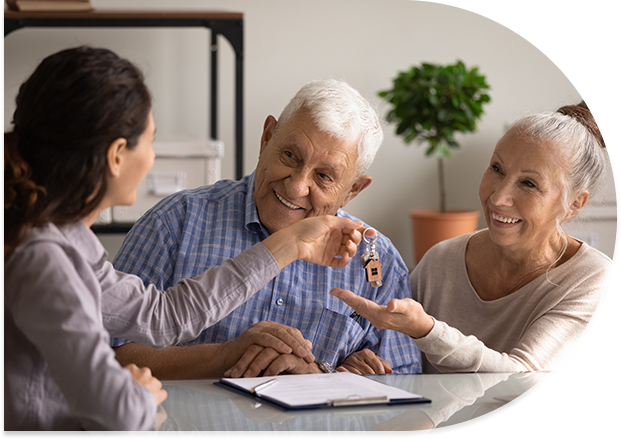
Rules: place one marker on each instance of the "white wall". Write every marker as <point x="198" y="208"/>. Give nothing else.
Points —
<point x="288" y="43"/>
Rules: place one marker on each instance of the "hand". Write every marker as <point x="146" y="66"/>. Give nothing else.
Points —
<point x="403" y="315"/>
<point x="365" y="362"/>
<point x="265" y="334"/>
<point x="326" y="240"/>
<point x="142" y="375"/>
<point x="267" y="362"/>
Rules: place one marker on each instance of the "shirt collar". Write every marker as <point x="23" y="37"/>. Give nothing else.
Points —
<point x="251" y="214"/>
<point x="86" y="241"/>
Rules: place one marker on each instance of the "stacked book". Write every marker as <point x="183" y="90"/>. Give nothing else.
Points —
<point x="50" y="5"/>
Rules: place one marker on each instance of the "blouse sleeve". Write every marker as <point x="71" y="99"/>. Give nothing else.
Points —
<point x="159" y="319"/>
<point x="59" y="314"/>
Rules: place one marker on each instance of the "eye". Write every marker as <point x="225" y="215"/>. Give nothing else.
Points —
<point x="325" y="177"/>
<point x="529" y="184"/>
<point x="495" y="168"/>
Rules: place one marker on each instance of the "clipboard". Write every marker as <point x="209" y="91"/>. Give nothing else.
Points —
<point x="315" y="391"/>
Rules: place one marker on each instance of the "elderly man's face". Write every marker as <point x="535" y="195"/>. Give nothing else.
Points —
<point x="303" y="172"/>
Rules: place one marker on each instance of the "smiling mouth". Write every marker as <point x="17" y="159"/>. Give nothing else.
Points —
<point x="286" y="203"/>
<point x="504" y="219"/>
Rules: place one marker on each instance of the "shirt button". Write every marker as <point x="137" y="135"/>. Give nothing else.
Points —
<point x="279" y="302"/>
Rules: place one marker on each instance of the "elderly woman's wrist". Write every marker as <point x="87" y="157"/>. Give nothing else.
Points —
<point x="423" y="328"/>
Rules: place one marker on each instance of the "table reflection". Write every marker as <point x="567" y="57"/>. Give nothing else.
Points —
<point x="199" y="405"/>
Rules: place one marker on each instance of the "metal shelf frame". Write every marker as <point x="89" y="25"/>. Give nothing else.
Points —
<point x="228" y="24"/>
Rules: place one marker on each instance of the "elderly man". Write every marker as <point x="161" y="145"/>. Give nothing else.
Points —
<point x="312" y="162"/>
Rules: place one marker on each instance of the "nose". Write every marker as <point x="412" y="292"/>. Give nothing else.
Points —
<point x="503" y="194"/>
<point x="298" y="184"/>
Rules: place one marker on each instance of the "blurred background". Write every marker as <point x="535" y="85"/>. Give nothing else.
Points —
<point x="288" y="43"/>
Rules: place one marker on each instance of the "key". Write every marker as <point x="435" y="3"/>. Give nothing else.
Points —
<point x="371" y="262"/>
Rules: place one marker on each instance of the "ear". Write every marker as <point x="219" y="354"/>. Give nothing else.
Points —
<point x="577" y="204"/>
<point x="268" y="131"/>
<point x="114" y="156"/>
<point x="359" y="185"/>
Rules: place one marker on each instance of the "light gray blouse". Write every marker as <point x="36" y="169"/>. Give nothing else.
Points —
<point x="63" y="301"/>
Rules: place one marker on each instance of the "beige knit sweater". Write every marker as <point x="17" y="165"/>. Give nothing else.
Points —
<point x="524" y="331"/>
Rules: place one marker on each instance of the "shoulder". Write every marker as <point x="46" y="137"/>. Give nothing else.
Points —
<point x="587" y="265"/>
<point x="45" y="258"/>
<point x="220" y="191"/>
<point x="191" y="205"/>
<point x="448" y="251"/>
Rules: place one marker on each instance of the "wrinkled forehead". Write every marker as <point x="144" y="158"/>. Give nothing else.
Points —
<point x="528" y="153"/>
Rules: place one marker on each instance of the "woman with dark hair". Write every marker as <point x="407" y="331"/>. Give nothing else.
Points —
<point x="512" y="297"/>
<point x="81" y="143"/>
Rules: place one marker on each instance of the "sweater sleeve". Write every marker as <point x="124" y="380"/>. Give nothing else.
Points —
<point x="558" y="313"/>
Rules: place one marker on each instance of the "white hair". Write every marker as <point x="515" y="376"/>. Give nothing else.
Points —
<point x="342" y="112"/>
<point x="587" y="157"/>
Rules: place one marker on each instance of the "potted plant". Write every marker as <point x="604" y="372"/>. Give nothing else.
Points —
<point x="430" y="103"/>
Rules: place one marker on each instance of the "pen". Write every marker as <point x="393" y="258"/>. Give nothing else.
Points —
<point x="262" y="386"/>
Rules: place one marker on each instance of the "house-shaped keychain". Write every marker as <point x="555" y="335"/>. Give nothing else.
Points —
<point x="373" y="270"/>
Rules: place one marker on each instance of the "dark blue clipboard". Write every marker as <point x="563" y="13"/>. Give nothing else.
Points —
<point x="328" y="404"/>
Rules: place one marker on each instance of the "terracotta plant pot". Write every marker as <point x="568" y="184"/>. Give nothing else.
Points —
<point x="429" y="227"/>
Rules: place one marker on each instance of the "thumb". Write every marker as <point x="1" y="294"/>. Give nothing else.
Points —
<point x="394" y="306"/>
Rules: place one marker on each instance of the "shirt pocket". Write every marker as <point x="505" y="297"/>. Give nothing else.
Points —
<point x="336" y="337"/>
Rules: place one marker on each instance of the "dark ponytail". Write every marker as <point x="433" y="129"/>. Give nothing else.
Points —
<point x="581" y="113"/>
<point x="74" y="105"/>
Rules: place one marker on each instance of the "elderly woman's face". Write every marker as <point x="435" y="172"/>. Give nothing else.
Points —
<point x="521" y="192"/>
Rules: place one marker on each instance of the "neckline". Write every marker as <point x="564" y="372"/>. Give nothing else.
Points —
<point x="583" y="248"/>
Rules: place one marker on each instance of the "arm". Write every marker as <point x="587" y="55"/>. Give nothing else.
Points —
<point x="184" y="310"/>
<point x="212" y="360"/>
<point x="215" y="293"/>
<point x="54" y="308"/>
<point x="382" y="350"/>
<point x="449" y="350"/>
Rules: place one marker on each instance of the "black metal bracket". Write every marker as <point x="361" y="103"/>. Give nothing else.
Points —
<point x="231" y="29"/>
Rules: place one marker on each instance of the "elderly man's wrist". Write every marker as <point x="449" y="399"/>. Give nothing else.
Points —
<point x="325" y="367"/>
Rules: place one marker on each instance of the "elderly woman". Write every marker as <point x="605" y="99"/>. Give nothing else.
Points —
<point x="514" y="296"/>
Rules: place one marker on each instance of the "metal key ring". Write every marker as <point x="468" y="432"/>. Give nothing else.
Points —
<point x="364" y="235"/>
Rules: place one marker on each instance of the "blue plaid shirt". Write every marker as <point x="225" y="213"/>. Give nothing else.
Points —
<point x="192" y="230"/>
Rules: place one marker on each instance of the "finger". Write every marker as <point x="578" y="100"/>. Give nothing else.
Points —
<point x="365" y="368"/>
<point x="352" y="369"/>
<point x="285" y="340"/>
<point x="240" y="368"/>
<point x="296" y="341"/>
<point x="362" y="306"/>
<point x="146" y="372"/>
<point x="375" y="364"/>
<point x="281" y="364"/>
<point x="341" y="369"/>
<point x="387" y="366"/>
<point x="261" y="362"/>
<point x="354" y="236"/>
<point x="396" y="306"/>
<point x="159" y="395"/>
<point x="340" y="261"/>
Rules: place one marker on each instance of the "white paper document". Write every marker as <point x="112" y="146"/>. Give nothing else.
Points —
<point x="319" y="390"/>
